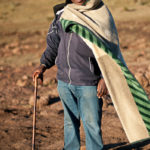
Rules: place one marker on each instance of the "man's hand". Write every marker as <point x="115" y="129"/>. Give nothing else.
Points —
<point x="38" y="73"/>
<point x="101" y="88"/>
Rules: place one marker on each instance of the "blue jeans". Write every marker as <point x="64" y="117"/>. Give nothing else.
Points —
<point x="81" y="102"/>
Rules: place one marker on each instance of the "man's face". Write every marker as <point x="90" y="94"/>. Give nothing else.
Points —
<point x="78" y="2"/>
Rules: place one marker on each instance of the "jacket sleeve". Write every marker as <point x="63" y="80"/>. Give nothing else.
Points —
<point x="53" y="40"/>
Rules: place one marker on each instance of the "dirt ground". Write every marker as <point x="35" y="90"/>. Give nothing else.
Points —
<point x="20" y="52"/>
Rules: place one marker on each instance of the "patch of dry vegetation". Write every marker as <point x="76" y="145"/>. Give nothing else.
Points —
<point x="24" y="16"/>
<point x="125" y="10"/>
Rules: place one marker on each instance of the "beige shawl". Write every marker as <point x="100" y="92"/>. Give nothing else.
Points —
<point x="97" y="18"/>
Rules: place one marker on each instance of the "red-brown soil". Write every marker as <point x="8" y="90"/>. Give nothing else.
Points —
<point x="16" y="89"/>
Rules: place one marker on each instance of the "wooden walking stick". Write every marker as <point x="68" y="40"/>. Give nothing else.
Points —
<point x="34" y="112"/>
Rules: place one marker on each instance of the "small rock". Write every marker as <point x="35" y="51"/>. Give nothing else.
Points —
<point x="15" y="101"/>
<point x="44" y="100"/>
<point x="46" y="82"/>
<point x="1" y="68"/>
<point x="7" y="47"/>
<point x="26" y="47"/>
<point x="2" y="112"/>
<point x="16" y="50"/>
<point x="30" y="64"/>
<point x="15" y="44"/>
<point x="25" y="77"/>
<point x="21" y="83"/>
<point x="53" y="92"/>
<point x="142" y="79"/>
<point x="41" y="101"/>
<point x="44" y="113"/>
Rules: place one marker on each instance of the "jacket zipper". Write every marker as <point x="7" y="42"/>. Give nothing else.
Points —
<point x="69" y="72"/>
<point x="90" y="64"/>
<point x="56" y="59"/>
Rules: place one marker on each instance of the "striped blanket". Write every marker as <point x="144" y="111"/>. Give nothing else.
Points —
<point x="95" y="25"/>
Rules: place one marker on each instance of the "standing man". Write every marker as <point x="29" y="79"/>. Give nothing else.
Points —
<point x="80" y="82"/>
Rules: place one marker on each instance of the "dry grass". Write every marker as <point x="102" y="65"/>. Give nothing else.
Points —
<point x="22" y="16"/>
<point x="29" y="16"/>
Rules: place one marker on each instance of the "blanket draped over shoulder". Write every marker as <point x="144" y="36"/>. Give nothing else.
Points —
<point x="95" y="25"/>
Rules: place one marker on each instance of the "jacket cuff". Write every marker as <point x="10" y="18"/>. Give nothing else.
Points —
<point x="43" y="65"/>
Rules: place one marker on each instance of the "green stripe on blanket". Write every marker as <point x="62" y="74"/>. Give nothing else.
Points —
<point x="138" y="93"/>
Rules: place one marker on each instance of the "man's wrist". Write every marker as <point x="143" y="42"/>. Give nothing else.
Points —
<point x="43" y="67"/>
